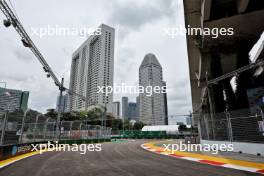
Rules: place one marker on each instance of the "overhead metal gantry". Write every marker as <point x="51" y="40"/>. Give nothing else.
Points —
<point x="12" y="19"/>
<point x="26" y="40"/>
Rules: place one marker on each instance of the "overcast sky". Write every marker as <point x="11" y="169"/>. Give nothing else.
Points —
<point x="139" y="26"/>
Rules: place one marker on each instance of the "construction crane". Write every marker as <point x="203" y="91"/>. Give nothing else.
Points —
<point x="12" y="19"/>
<point x="26" y="40"/>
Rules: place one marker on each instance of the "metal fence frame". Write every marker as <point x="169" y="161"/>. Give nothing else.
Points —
<point x="233" y="126"/>
<point x="40" y="131"/>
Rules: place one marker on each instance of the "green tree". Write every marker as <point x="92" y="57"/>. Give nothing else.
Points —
<point x="182" y="127"/>
<point x="82" y="115"/>
<point x="127" y="125"/>
<point x="138" y="125"/>
<point x="51" y="113"/>
<point x="94" y="114"/>
<point x="69" y="116"/>
<point x="116" y="124"/>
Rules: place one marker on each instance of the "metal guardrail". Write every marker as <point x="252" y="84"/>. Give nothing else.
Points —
<point x="16" y="133"/>
<point x="234" y="126"/>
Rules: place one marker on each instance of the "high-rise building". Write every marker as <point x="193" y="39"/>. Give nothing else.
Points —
<point x="124" y="107"/>
<point x="165" y="104"/>
<point x="12" y="100"/>
<point x="116" y="109"/>
<point x="132" y="111"/>
<point x="138" y="106"/>
<point x="63" y="105"/>
<point x="92" y="67"/>
<point x="152" y="107"/>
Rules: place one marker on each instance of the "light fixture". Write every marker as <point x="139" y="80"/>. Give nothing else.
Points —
<point x="25" y="43"/>
<point x="7" y="23"/>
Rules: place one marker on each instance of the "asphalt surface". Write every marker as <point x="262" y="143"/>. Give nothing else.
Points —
<point x="115" y="159"/>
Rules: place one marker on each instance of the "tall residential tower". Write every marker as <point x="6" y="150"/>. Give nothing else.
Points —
<point x="93" y="66"/>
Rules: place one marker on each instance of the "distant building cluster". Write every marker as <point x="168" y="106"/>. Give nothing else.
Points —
<point x="62" y="104"/>
<point x="116" y="109"/>
<point x="130" y="110"/>
<point x="93" y="66"/>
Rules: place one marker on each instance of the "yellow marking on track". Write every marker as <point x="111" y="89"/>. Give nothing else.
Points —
<point x="17" y="158"/>
<point x="256" y="165"/>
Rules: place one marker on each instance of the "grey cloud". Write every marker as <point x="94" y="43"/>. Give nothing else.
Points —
<point x="132" y="16"/>
<point x="180" y="107"/>
<point x="178" y="96"/>
<point x="125" y="55"/>
<point x="22" y="54"/>
<point x="133" y="41"/>
<point x="124" y="60"/>
<point x="48" y="100"/>
<point x="178" y="90"/>
<point x="181" y="82"/>
<point x="18" y="78"/>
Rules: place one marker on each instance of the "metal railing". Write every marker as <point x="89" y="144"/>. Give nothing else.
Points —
<point x="234" y="126"/>
<point x="44" y="129"/>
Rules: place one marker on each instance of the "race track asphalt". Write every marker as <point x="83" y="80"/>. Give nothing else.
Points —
<point x="116" y="159"/>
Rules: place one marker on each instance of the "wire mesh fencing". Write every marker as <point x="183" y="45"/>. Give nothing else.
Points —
<point x="236" y="126"/>
<point x="44" y="129"/>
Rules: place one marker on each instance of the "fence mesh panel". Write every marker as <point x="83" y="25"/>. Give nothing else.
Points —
<point x="43" y="128"/>
<point x="237" y="126"/>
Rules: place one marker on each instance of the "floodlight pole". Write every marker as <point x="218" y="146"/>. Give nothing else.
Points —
<point x="61" y="88"/>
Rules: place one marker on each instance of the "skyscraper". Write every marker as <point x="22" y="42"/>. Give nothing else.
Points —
<point x="165" y="105"/>
<point x="138" y="106"/>
<point x="152" y="107"/>
<point x="92" y="67"/>
<point x="124" y="107"/>
<point x="132" y="111"/>
<point x="12" y="100"/>
<point x="116" y="109"/>
<point x="63" y="106"/>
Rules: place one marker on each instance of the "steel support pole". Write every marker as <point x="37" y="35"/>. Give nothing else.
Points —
<point x="35" y="126"/>
<point x="45" y="128"/>
<point x="59" y="110"/>
<point x="4" y="128"/>
<point x="22" y="126"/>
<point x="229" y="126"/>
<point x="70" y="130"/>
<point x="211" y="107"/>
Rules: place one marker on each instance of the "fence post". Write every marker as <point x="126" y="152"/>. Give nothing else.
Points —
<point x="80" y="130"/>
<point x="45" y="130"/>
<point x="88" y="126"/>
<point x="229" y="126"/>
<point x="86" y="132"/>
<point x="70" y="130"/>
<point x="35" y="126"/>
<point x="4" y="128"/>
<point x="22" y="126"/>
